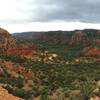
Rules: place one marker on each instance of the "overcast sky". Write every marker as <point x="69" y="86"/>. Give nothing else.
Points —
<point x="41" y="15"/>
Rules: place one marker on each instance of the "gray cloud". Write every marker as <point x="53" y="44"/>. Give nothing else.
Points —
<point x="67" y="10"/>
<point x="23" y="11"/>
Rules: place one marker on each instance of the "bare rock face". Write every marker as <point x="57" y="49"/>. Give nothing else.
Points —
<point x="4" y="95"/>
<point x="6" y="40"/>
<point x="79" y="38"/>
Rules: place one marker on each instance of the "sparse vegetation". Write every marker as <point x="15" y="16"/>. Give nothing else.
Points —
<point x="51" y="70"/>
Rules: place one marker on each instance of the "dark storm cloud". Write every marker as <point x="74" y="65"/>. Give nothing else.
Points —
<point x="66" y="10"/>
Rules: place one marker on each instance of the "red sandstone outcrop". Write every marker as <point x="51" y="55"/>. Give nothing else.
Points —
<point x="6" y="40"/>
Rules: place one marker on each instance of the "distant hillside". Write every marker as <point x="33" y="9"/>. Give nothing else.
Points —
<point x="84" y="37"/>
<point x="27" y="35"/>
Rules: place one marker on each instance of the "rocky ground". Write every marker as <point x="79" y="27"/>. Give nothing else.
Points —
<point x="4" y="95"/>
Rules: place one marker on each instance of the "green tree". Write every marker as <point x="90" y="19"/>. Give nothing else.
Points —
<point x="86" y="89"/>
